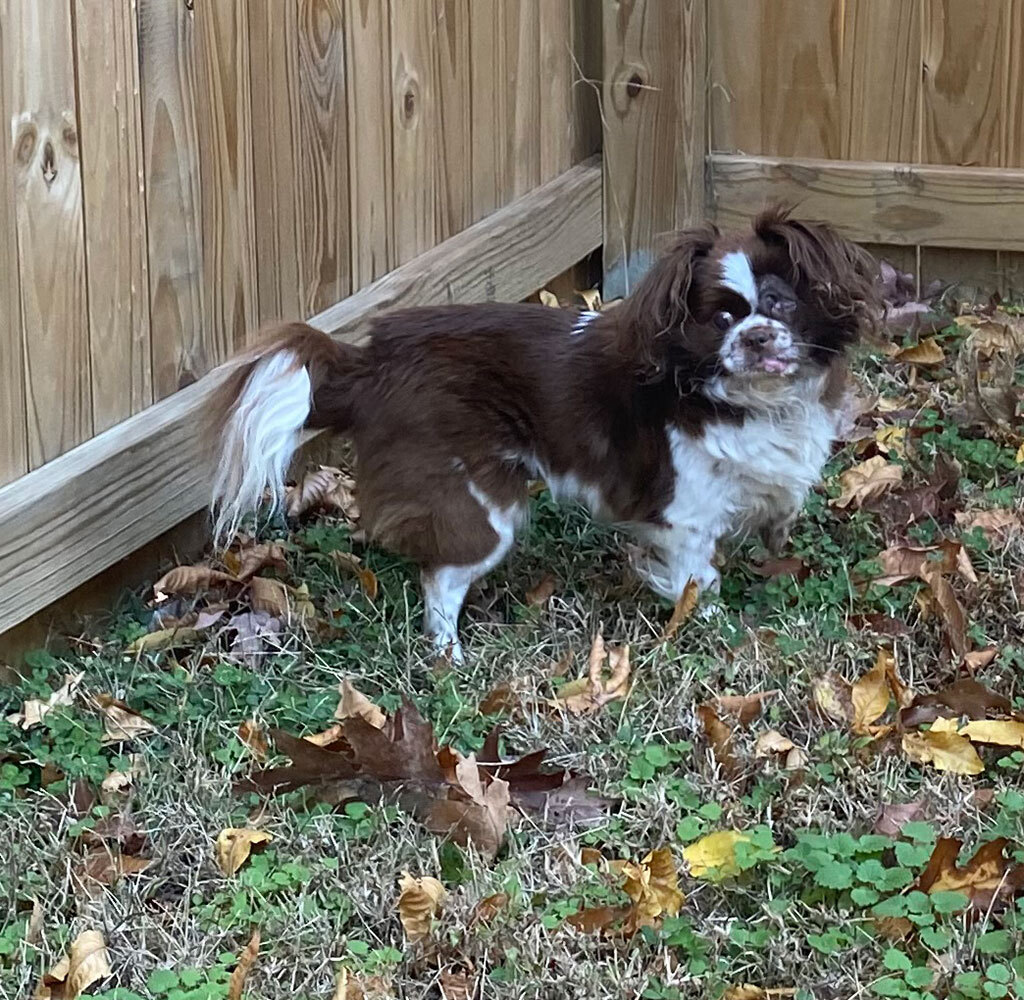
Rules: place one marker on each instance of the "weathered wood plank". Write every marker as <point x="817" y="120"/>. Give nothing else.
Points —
<point x="521" y="36"/>
<point x="224" y="118"/>
<point x="167" y="79"/>
<point x="48" y="185"/>
<point x="937" y="206"/>
<point x="14" y="442"/>
<point x="69" y="520"/>
<point x="449" y="44"/>
<point x="587" y="61"/>
<point x="371" y="187"/>
<point x="274" y="83"/>
<point x="113" y="185"/>
<point x="556" y="98"/>
<point x="488" y="107"/>
<point x="654" y="139"/>
<point x="325" y="267"/>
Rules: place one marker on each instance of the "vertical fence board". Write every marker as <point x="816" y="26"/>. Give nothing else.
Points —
<point x="654" y="129"/>
<point x="488" y="106"/>
<point x="371" y="190"/>
<point x="522" y="89"/>
<point x="450" y="43"/>
<point x="586" y="60"/>
<point x="224" y="114"/>
<point x="274" y="82"/>
<point x="325" y="266"/>
<point x="14" y="441"/>
<point x="114" y="194"/>
<point x="48" y="186"/>
<point x="556" y="100"/>
<point x="415" y="118"/>
<point x="167" y="82"/>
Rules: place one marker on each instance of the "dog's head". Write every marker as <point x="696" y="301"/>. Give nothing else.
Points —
<point x="745" y="316"/>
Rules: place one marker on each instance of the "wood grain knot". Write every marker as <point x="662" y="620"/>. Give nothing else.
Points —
<point x="628" y="83"/>
<point x="48" y="163"/>
<point x="25" y="140"/>
<point x="634" y="85"/>
<point x="409" y="102"/>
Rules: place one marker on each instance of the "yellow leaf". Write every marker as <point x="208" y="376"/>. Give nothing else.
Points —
<point x="870" y="695"/>
<point x="892" y="440"/>
<point x="35" y="710"/>
<point x="714" y="857"/>
<point x="945" y="751"/>
<point x="997" y="732"/>
<point x="548" y="299"/>
<point x="86" y="962"/>
<point x="236" y="984"/>
<point x="165" y="638"/>
<point x="419" y="902"/>
<point x="235" y="845"/>
<point x="592" y="298"/>
<point x="1019" y="459"/>
<point x="354" y="703"/>
<point x="866" y="481"/>
<point x="653" y="886"/>
<point x="683" y="610"/>
<point x="588" y="694"/>
<point x="927" y="352"/>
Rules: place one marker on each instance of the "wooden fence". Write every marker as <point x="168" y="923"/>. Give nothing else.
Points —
<point x="180" y="171"/>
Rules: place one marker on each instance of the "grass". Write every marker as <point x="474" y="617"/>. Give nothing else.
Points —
<point x="804" y="918"/>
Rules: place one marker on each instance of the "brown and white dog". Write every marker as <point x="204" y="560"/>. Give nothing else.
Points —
<point x="703" y="406"/>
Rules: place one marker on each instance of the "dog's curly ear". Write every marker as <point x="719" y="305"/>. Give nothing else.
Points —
<point x="826" y="268"/>
<point x="662" y="302"/>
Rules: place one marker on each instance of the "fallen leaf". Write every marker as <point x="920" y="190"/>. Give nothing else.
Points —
<point x="353" y="703"/>
<point x="1019" y="457"/>
<point x="596" y="919"/>
<point x="870" y="695"/>
<point x="720" y="737"/>
<point x="501" y="698"/>
<point x="539" y="595"/>
<point x="746" y="707"/>
<point x="683" y="610"/>
<point x="796" y="760"/>
<point x="893" y="928"/>
<point x="35" y="710"/>
<point x="165" y="638"/>
<point x="347" y="987"/>
<point x="998" y="526"/>
<point x="989" y="880"/>
<point x="235" y="845"/>
<point x="714" y="857"/>
<point x="279" y="600"/>
<point x="927" y="352"/>
<point x="951" y="612"/>
<point x="327" y="489"/>
<point x="419" y="901"/>
<point x="944" y="751"/>
<point x="995" y="732"/>
<point x="964" y="698"/>
<point x="250" y="733"/>
<point x="455" y="985"/>
<point x="253" y="558"/>
<point x="792" y="566"/>
<point x="1001" y="333"/>
<point x="772" y="743"/>
<point x="106" y="867"/>
<point x="190" y="580"/>
<point x="548" y="299"/>
<point x="86" y="962"/>
<point x="906" y="562"/>
<point x="489" y="907"/>
<point x="588" y="694"/>
<point x="652" y="885"/>
<point x="897" y="815"/>
<point x="832" y="696"/>
<point x="121" y="722"/>
<point x="478" y="816"/>
<point x="236" y="984"/>
<point x="349" y="562"/>
<point x="866" y="481"/>
<point x="748" y="992"/>
<point x="591" y="298"/>
<point x="34" y="928"/>
<point x="116" y="783"/>
<point x="892" y="440"/>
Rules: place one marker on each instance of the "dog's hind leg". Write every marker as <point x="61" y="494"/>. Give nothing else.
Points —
<point x="445" y="586"/>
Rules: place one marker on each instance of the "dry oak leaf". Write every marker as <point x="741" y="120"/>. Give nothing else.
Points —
<point x="279" y="600"/>
<point x="328" y="489"/>
<point x="989" y="880"/>
<point x="107" y="867"/>
<point x="866" y="481"/>
<point x="963" y="698"/>
<point x="116" y="783"/>
<point x="653" y="885"/>
<point x="903" y="562"/>
<point x="478" y="816"/>
<point x="927" y="352"/>
<point x="419" y="901"/>
<point x="944" y="751"/>
<point x="720" y="737"/>
<point x="354" y="703"/>
<point x="121" y="722"/>
<point x="772" y="743"/>
<point x="896" y="815"/>
<point x="236" y="984"/>
<point x="994" y="732"/>
<point x="998" y="526"/>
<point x="832" y="696"/>
<point x="539" y="595"/>
<point x="870" y="695"/>
<point x="349" y="562"/>
<point x="683" y="610"/>
<point x="235" y="845"/>
<point x="588" y="694"/>
<point x="980" y="658"/>
<point x="714" y="857"/>
<point x="745" y="707"/>
<point x="489" y="907"/>
<point x="35" y="710"/>
<point x="86" y="962"/>
<point x="252" y="558"/>
<point x="184" y="581"/>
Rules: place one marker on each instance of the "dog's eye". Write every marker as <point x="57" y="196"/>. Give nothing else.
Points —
<point x="722" y="320"/>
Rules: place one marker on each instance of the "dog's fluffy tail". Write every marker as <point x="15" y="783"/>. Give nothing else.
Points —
<point x="256" y="417"/>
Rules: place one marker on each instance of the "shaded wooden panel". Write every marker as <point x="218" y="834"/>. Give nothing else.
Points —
<point x="14" y="440"/>
<point x="489" y="117"/>
<point x="521" y="32"/>
<point x="224" y="117"/>
<point x="48" y="185"/>
<point x="68" y="521"/>
<point x="324" y="261"/>
<point x="556" y="98"/>
<point x="880" y="80"/>
<point x="654" y="129"/>
<point x="274" y="84"/>
<point x="415" y="126"/>
<point x="587" y="63"/>
<point x="371" y="189"/>
<point x="775" y="68"/>
<point x="168" y="88"/>
<point x="452" y="151"/>
<point x="958" y="207"/>
<point x="114" y="191"/>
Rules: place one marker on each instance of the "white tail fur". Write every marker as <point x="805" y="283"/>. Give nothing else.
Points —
<point x="259" y="438"/>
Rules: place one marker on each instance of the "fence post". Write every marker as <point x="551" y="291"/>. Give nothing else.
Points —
<point x="655" y="129"/>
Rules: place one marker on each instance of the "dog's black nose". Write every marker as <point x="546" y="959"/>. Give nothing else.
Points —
<point x="759" y="337"/>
